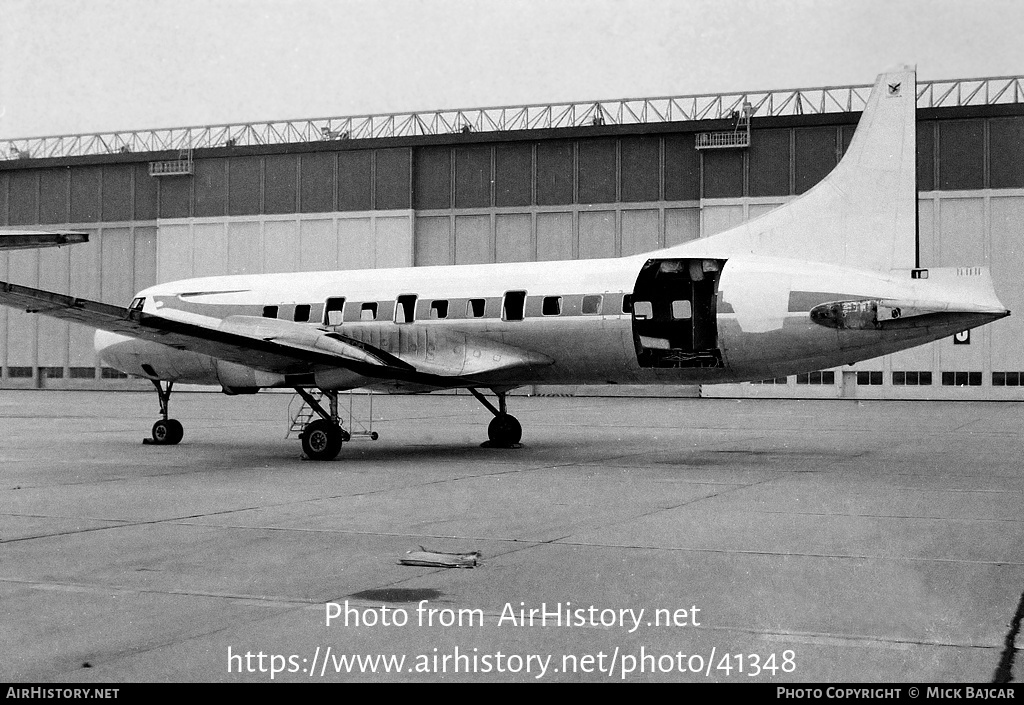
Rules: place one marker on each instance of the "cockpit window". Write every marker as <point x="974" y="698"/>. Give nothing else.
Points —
<point x="137" y="303"/>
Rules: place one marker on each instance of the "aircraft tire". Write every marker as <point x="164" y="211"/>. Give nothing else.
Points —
<point x="504" y="431"/>
<point x="168" y="433"/>
<point x="177" y="432"/>
<point x="321" y="440"/>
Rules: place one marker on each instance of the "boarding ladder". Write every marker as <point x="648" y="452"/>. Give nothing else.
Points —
<point x="300" y="414"/>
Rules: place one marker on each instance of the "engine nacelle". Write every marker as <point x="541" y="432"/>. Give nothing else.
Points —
<point x="238" y="379"/>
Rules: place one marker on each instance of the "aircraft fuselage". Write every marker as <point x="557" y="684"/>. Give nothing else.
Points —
<point x="659" y="318"/>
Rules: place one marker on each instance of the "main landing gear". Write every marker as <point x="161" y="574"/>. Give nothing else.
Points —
<point x="504" y="431"/>
<point x="166" y="432"/>
<point x="322" y="439"/>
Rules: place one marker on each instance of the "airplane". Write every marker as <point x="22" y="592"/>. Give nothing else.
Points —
<point x="828" y="279"/>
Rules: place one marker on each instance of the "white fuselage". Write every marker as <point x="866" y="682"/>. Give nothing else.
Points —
<point x="571" y="313"/>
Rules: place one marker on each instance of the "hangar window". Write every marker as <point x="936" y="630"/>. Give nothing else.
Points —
<point x="552" y="306"/>
<point x="592" y="304"/>
<point x="106" y="373"/>
<point x="439" y="308"/>
<point x="828" y="377"/>
<point x="869" y="378"/>
<point x="773" y="380"/>
<point x="961" y="379"/>
<point x="270" y="311"/>
<point x="475" y="308"/>
<point x="13" y="372"/>
<point x="333" y="310"/>
<point x="405" y="308"/>
<point x="513" y="306"/>
<point x="911" y="379"/>
<point x="301" y="313"/>
<point x="1007" y="379"/>
<point x="83" y="372"/>
<point x="368" y="312"/>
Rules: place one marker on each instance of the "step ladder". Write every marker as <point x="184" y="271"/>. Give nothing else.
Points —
<point x="300" y="414"/>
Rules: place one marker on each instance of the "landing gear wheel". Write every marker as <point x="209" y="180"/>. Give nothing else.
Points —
<point x="168" y="432"/>
<point x="321" y="440"/>
<point x="504" y="431"/>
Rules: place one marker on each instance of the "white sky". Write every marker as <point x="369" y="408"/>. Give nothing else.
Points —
<point x="71" y="66"/>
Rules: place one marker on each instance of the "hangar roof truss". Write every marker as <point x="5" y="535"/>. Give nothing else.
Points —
<point x="792" y="101"/>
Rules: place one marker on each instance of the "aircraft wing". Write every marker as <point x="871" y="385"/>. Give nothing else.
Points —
<point x="33" y="239"/>
<point x="291" y="348"/>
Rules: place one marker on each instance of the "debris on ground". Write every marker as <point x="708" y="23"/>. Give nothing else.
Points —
<point x="441" y="559"/>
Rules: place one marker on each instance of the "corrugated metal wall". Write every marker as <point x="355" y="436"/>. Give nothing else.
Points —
<point x="588" y="194"/>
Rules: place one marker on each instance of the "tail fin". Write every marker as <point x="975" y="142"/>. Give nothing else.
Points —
<point x="863" y="214"/>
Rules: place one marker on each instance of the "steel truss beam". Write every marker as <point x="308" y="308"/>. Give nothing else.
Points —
<point x="631" y="111"/>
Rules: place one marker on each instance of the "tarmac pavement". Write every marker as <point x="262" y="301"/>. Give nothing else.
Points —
<point x="656" y="539"/>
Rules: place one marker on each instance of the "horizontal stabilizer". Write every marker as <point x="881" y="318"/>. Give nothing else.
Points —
<point x="34" y="239"/>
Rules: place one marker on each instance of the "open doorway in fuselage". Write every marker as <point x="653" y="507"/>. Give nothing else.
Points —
<point x="675" y="313"/>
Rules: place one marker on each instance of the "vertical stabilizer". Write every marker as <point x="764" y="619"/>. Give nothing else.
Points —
<point x="863" y="214"/>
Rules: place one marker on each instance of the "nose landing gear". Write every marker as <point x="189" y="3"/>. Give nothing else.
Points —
<point x="166" y="431"/>
<point x="504" y="431"/>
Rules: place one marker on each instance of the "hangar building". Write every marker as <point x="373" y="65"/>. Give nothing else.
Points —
<point x="523" y="183"/>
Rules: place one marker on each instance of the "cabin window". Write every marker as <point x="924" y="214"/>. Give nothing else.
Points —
<point x="552" y="306"/>
<point x="368" y="312"/>
<point x="512" y="309"/>
<point x="405" y="308"/>
<point x="270" y="311"/>
<point x="333" y="310"/>
<point x="592" y="304"/>
<point x="301" y="313"/>
<point x="643" y="310"/>
<point x="475" y="308"/>
<point x="627" y="303"/>
<point x="439" y="308"/>
<point x="681" y="310"/>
